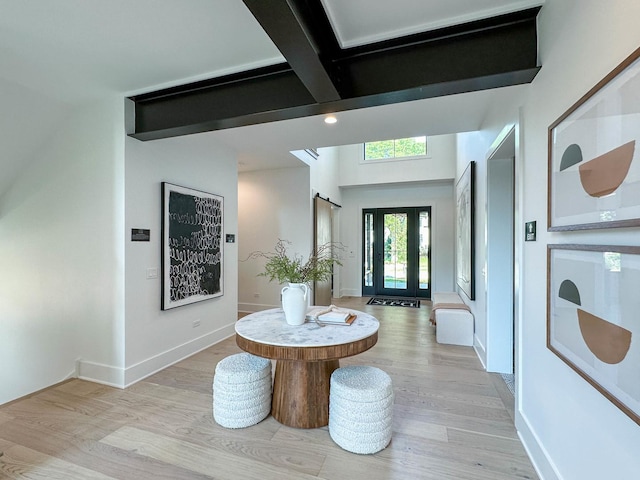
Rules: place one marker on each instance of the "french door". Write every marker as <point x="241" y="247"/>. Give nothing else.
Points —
<point x="397" y="251"/>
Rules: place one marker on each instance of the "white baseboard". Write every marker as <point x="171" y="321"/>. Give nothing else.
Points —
<point x="537" y="453"/>
<point x="100" y="373"/>
<point x="350" y="292"/>
<point x="148" y="367"/>
<point x="480" y="351"/>
<point x="254" y="307"/>
<point x="122" y="378"/>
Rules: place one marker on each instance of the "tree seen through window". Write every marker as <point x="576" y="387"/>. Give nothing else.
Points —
<point x="398" y="148"/>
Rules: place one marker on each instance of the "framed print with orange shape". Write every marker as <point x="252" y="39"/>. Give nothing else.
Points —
<point x="592" y="317"/>
<point x="594" y="156"/>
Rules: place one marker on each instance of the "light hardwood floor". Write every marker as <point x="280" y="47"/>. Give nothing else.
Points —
<point x="451" y="420"/>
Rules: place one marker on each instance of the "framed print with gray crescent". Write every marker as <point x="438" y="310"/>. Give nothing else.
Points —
<point x="592" y="317"/>
<point x="594" y="156"/>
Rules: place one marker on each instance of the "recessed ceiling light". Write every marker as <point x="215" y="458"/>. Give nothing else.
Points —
<point x="330" y="119"/>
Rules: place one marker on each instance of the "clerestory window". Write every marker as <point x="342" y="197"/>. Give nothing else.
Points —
<point x="400" y="148"/>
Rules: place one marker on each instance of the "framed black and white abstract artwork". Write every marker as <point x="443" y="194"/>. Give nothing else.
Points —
<point x="464" y="231"/>
<point x="192" y="248"/>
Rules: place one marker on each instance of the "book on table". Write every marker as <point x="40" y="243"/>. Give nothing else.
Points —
<point x="334" y="317"/>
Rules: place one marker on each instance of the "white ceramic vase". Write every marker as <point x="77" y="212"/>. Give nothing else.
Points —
<point x="294" y="303"/>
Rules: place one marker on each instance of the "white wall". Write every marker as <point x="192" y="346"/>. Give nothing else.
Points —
<point x="62" y="228"/>
<point x="499" y="267"/>
<point x="568" y="427"/>
<point x="588" y="436"/>
<point x="157" y="338"/>
<point x="325" y="174"/>
<point x="438" y="195"/>
<point x="272" y="204"/>
<point x="324" y="177"/>
<point x="278" y="204"/>
<point x="28" y="119"/>
<point x="61" y="225"/>
<point x="473" y="146"/>
<point x="439" y="165"/>
<point x="397" y="183"/>
<point x="492" y="273"/>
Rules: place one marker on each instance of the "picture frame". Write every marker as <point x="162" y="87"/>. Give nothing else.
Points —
<point x="192" y="247"/>
<point x="594" y="156"/>
<point x="592" y="321"/>
<point x="465" y="225"/>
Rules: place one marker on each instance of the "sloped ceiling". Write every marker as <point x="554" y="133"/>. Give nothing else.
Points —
<point x="74" y="50"/>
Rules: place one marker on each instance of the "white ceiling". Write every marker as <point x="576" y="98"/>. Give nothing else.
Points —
<point x="358" y="22"/>
<point x="65" y="52"/>
<point x="269" y="143"/>
<point x="78" y="49"/>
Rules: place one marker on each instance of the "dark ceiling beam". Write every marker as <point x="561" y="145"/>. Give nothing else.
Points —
<point x="480" y="55"/>
<point x="290" y="28"/>
<point x="223" y="102"/>
<point x="487" y="47"/>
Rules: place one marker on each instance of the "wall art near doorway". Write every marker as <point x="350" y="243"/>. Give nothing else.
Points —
<point x="594" y="156"/>
<point x="192" y="225"/>
<point x="592" y="317"/>
<point x="465" y="231"/>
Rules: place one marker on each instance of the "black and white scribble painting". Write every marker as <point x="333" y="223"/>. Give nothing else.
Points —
<point x="192" y="225"/>
<point x="465" y="258"/>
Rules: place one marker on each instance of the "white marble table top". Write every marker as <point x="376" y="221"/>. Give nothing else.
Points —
<point x="270" y="327"/>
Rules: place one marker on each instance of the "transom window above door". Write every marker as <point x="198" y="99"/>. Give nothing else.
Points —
<point x="399" y="148"/>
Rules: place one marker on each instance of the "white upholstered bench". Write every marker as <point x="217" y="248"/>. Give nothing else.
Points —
<point x="453" y="319"/>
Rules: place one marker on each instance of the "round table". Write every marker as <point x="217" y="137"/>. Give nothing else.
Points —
<point x="306" y="357"/>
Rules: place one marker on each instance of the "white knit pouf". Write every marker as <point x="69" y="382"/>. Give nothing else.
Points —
<point x="360" y="409"/>
<point x="241" y="390"/>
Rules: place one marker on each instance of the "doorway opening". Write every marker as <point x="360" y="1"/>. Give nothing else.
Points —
<point x="396" y="255"/>
<point x="500" y="279"/>
<point x="324" y="213"/>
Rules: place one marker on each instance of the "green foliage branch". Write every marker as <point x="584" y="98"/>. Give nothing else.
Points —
<point x="285" y="268"/>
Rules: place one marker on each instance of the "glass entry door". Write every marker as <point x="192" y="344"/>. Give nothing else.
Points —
<point x="396" y="251"/>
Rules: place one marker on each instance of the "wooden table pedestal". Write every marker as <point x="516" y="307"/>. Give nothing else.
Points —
<point x="301" y="392"/>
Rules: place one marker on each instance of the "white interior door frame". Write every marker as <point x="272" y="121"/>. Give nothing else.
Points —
<point x="499" y="279"/>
